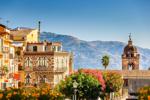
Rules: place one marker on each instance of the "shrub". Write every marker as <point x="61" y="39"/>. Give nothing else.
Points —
<point x="113" y="81"/>
<point x="30" y="93"/>
<point x="144" y="93"/>
<point x="88" y="86"/>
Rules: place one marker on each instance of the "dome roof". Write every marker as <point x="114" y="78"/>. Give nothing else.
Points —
<point x="130" y="48"/>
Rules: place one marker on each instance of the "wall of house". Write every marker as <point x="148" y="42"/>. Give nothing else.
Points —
<point x="135" y="84"/>
<point x="42" y="47"/>
<point x="32" y="36"/>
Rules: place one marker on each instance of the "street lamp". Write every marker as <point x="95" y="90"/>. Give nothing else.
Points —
<point x="75" y="85"/>
<point x="28" y="79"/>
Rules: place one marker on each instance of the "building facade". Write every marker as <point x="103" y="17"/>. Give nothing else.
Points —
<point x="45" y="62"/>
<point x="20" y="37"/>
<point x="24" y="59"/>
<point x="12" y="45"/>
<point x="6" y="58"/>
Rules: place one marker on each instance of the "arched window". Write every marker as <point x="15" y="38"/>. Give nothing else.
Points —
<point x="44" y="61"/>
<point x="28" y="62"/>
<point x="34" y="48"/>
<point x="40" y="61"/>
<point x="46" y="48"/>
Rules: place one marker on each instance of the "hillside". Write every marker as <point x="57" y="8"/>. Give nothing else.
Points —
<point x="88" y="54"/>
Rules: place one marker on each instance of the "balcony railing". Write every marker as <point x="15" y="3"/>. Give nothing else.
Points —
<point x="45" y="68"/>
<point x="60" y="69"/>
<point x="42" y="68"/>
<point x="27" y="68"/>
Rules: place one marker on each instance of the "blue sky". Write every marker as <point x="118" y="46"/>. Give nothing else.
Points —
<point x="86" y="19"/>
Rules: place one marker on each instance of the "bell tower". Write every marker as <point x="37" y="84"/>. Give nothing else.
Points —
<point x="130" y="57"/>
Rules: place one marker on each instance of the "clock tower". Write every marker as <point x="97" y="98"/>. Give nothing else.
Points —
<point x="130" y="57"/>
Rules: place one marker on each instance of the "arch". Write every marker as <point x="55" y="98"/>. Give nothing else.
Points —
<point x="132" y="66"/>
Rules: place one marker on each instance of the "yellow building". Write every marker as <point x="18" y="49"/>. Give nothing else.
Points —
<point x="12" y="45"/>
<point x="5" y="43"/>
<point x="24" y="35"/>
<point x="6" y="56"/>
<point x="20" y="37"/>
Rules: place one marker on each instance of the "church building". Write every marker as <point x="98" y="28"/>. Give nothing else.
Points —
<point x="133" y="76"/>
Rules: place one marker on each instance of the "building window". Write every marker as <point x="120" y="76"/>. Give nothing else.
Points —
<point x="54" y="48"/>
<point x="59" y="48"/>
<point x="34" y="48"/>
<point x="45" y="48"/>
<point x="28" y="79"/>
<point x="28" y="62"/>
<point x="42" y="61"/>
<point x="125" y="82"/>
<point x="62" y="61"/>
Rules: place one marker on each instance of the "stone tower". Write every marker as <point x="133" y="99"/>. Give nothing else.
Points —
<point x="130" y="57"/>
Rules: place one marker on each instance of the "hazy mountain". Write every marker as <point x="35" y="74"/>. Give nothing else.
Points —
<point x="88" y="54"/>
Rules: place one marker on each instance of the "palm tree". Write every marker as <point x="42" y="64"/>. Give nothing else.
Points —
<point x="105" y="61"/>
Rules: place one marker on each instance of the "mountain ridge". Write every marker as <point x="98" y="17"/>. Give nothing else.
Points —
<point x="88" y="54"/>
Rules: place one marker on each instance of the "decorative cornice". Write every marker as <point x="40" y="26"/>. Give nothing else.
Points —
<point x="46" y="53"/>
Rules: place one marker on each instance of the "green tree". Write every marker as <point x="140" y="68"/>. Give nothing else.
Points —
<point x="113" y="81"/>
<point x="88" y="87"/>
<point x="5" y="68"/>
<point x="105" y="61"/>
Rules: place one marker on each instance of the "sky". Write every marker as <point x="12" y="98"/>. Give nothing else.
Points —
<point x="90" y="20"/>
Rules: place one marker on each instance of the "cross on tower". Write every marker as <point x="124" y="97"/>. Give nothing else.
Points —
<point x="129" y="36"/>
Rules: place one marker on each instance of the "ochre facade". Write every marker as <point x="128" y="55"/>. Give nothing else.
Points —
<point x="45" y="62"/>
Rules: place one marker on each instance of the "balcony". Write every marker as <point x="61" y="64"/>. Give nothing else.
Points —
<point x="60" y="70"/>
<point x="28" y="68"/>
<point x="42" y="68"/>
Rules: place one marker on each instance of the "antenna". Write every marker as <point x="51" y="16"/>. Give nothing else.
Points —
<point x="7" y="21"/>
<point x="39" y="29"/>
